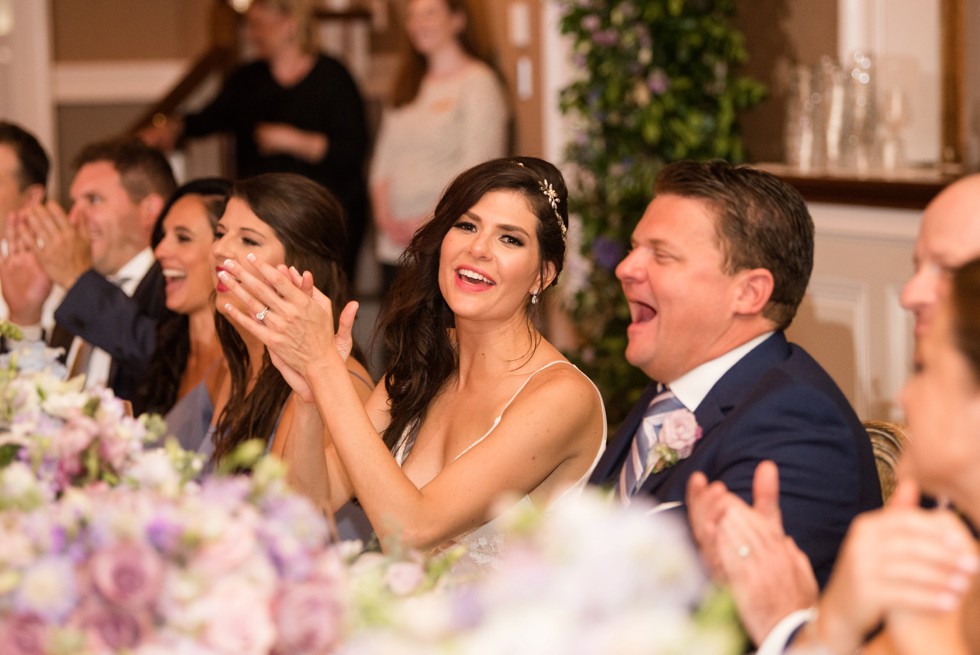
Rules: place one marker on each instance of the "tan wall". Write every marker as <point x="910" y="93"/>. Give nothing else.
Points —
<point x="129" y="29"/>
<point x="117" y="30"/>
<point x="527" y="113"/>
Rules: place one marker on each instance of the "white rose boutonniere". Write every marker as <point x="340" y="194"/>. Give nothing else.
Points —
<point x="676" y="438"/>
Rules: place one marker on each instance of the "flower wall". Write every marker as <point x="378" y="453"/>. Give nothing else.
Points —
<point x="659" y="83"/>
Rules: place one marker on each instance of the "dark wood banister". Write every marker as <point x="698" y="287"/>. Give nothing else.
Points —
<point x="219" y="59"/>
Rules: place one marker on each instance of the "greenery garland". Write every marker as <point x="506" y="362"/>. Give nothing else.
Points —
<point x="659" y="85"/>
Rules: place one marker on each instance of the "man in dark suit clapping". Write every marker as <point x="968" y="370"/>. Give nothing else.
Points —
<point x="99" y="252"/>
<point x="719" y="263"/>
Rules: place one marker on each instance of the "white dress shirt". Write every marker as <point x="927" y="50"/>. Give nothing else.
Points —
<point x="693" y="386"/>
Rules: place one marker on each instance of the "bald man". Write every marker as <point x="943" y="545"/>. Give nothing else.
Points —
<point x="772" y="598"/>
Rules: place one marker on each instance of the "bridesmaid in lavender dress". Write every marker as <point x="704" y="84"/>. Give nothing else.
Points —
<point x="187" y="367"/>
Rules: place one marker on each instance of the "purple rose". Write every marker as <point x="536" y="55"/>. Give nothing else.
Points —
<point x="308" y="618"/>
<point x="111" y="628"/>
<point x="24" y="634"/>
<point x="128" y="573"/>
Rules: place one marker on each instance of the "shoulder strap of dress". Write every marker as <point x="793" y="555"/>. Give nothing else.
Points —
<point x="496" y="421"/>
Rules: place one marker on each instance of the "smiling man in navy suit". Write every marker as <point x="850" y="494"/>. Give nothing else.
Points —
<point x="719" y="263"/>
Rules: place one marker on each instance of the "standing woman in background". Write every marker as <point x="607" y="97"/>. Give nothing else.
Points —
<point x="292" y="110"/>
<point x="448" y="113"/>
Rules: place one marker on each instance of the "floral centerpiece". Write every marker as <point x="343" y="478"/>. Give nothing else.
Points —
<point x="234" y="565"/>
<point x="659" y="83"/>
<point x="69" y="435"/>
<point x="113" y="547"/>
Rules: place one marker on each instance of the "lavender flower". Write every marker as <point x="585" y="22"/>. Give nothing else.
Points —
<point x="607" y="252"/>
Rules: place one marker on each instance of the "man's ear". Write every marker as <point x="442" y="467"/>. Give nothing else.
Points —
<point x="33" y="195"/>
<point x="150" y="208"/>
<point x="753" y="291"/>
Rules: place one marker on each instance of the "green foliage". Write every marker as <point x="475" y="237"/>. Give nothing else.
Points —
<point x="659" y="85"/>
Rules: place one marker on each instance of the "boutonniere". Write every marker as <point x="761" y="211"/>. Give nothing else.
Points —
<point x="676" y="438"/>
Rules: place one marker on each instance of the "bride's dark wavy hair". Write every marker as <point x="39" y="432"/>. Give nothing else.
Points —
<point x="309" y="222"/>
<point x="416" y="320"/>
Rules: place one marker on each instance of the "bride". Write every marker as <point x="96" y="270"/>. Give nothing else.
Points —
<point x="476" y="405"/>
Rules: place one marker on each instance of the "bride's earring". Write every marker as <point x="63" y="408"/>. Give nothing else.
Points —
<point x="534" y="297"/>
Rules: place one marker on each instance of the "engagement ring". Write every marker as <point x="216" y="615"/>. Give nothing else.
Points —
<point x="261" y="315"/>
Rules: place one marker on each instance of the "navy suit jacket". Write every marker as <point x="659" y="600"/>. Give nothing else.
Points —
<point x="776" y="403"/>
<point x="98" y="311"/>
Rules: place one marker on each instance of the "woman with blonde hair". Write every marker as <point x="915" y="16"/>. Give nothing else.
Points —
<point x="448" y="113"/>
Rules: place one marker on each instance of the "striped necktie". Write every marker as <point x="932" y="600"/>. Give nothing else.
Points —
<point x="641" y="457"/>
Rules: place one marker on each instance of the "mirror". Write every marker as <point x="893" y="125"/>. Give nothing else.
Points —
<point x="917" y="48"/>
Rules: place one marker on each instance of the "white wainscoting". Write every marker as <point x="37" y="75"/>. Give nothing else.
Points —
<point x="851" y="320"/>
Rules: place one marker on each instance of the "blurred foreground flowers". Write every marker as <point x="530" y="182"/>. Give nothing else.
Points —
<point x="112" y="544"/>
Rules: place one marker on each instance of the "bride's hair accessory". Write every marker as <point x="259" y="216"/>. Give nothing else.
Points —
<point x="553" y="200"/>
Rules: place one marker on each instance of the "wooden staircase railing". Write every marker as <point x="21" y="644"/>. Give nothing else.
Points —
<point x="219" y="59"/>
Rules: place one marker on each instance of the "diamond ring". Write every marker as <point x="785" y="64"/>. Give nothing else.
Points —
<point x="261" y="315"/>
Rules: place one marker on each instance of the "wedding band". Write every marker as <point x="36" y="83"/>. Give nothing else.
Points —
<point x="261" y="315"/>
<point x="743" y="551"/>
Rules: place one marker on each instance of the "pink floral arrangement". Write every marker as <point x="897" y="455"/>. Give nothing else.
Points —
<point x="233" y="565"/>
<point x="69" y="435"/>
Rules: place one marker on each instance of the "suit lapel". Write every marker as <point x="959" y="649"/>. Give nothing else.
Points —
<point x="727" y="393"/>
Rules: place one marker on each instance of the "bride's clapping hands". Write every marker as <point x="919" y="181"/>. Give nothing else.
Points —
<point x="292" y="318"/>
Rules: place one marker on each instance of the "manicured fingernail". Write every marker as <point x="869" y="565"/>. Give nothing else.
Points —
<point x="959" y="582"/>
<point x="227" y="306"/>
<point x="250" y="257"/>
<point x="223" y="275"/>
<point x="293" y="269"/>
<point x="228" y="263"/>
<point x="946" y="602"/>
<point x="968" y="563"/>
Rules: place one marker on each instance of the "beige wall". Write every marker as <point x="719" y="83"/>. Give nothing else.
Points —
<point x="139" y="30"/>
<point x="527" y="112"/>
<point x="778" y="35"/>
<point x="851" y="320"/>
<point x="129" y="29"/>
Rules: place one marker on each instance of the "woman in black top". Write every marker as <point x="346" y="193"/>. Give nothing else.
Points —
<point x="293" y="109"/>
